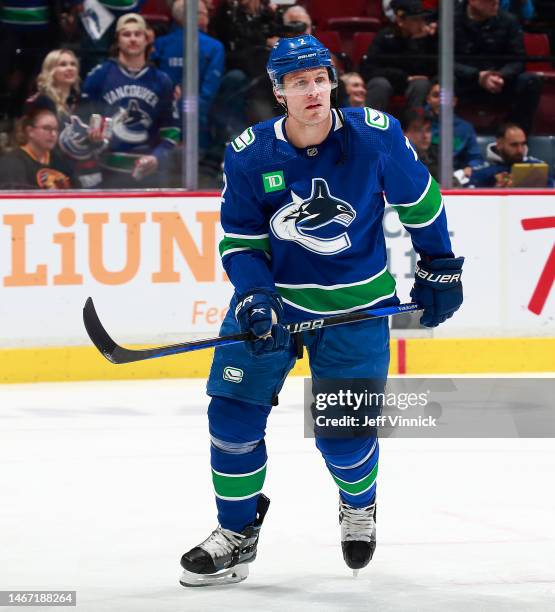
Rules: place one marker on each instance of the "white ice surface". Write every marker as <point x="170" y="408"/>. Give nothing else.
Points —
<point x="104" y="485"/>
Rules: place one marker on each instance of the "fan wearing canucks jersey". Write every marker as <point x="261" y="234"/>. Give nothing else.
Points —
<point x="139" y="100"/>
<point x="302" y="209"/>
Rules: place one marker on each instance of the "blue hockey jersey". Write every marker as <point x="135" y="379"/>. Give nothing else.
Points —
<point x="300" y="222"/>
<point x="144" y="118"/>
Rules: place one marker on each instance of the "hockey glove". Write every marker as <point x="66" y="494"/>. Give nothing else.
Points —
<point x="260" y="313"/>
<point x="438" y="289"/>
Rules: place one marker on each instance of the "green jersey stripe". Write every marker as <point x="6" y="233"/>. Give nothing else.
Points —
<point x="343" y="299"/>
<point x="362" y="485"/>
<point x="119" y="5"/>
<point x="364" y="281"/>
<point x="119" y="162"/>
<point x="425" y="210"/>
<point x="172" y="134"/>
<point x="235" y="486"/>
<point x="228" y="244"/>
<point x="37" y="15"/>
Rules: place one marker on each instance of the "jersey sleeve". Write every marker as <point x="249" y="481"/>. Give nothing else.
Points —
<point x="170" y="130"/>
<point x="414" y="194"/>
<point x="91" y="91"/>
<point x="245" y="248"/>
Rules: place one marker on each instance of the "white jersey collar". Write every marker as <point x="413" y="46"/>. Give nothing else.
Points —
<point x="280" y="134"/>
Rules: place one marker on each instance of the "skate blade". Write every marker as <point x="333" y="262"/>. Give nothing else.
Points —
<point x="228" y="576"/>
<point x="355" y="573"/>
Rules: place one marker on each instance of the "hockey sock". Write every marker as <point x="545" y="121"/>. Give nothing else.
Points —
<point x="353" y="464"/>
<point x="238" y="458"/>
<point x="238" y="479"/>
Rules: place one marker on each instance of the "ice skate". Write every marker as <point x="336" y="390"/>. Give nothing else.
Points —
<point x="358" y="534"/>
<point x="224" y="556"/>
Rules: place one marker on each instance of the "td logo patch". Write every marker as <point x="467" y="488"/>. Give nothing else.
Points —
<point x="233" y="374"/>
<point x="273" y="181"/>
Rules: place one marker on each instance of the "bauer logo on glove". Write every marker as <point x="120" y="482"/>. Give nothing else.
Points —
<point x="438" y="289"/>
<point x="437" y="278"/>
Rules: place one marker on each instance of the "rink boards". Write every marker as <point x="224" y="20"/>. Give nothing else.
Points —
<point x="150" y="262"/>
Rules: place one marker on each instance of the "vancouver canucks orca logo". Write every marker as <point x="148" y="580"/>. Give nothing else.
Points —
<point x="131" y="124"/>
<point x="74" y="139"/>
<point x="299" y="219"/>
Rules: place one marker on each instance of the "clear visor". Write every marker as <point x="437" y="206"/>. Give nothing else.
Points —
<point x="306" y="82"/>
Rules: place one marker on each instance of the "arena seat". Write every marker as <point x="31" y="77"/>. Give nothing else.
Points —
<point x="331" y="40"/>
<point x="156" y="12"/>
<point x="374" y="8"/>
<point x="543" y="147"/>
<point x="354" y="24"/>
<point x="321" y="11"/>
<point x="538" y="45"/>
<point x="544" y="122"/>
<point x="361" y="42"/>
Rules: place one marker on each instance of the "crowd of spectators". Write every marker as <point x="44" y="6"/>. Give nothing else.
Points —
<point x="90" y="92"/>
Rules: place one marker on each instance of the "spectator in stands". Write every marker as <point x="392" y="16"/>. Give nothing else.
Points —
<point x="58" y="87"/>
<point x="292" y="19"/>
<point x="466" y="150"/>
<point x="417" y="127"/>
<point x="355" y="89"/>
<point x="96" y="25"/>
<point x="35" y="164"/>
<point x="139" y="100"/>
<point x="402" y="58"/>
<point x="509" y="148"/>
<point x="523" y="9"/>
<point x="246" y="95"/>
<point x="242" y="25"/>
<point x="168" y="54"/>
<point x="483" y="33"/>
<point x="59" y="80"/>
<point x="28" y="29"/>
<point x="431" y="5"/>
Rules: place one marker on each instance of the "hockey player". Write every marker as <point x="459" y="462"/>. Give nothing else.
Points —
<point x="302" y="212"/>
<point x="139" y="99"/>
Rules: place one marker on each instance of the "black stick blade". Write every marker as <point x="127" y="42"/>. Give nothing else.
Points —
<point x="97" y="333"/>
<point x="119" y="354"/>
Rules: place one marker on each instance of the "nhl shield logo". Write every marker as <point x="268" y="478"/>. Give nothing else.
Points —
<point x="300" y="219"/>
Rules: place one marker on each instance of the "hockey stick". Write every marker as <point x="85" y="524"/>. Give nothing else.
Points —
<point x="119" y="354"/>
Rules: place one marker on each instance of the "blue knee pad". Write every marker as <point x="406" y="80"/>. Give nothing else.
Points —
<point x="235" y="421"/>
